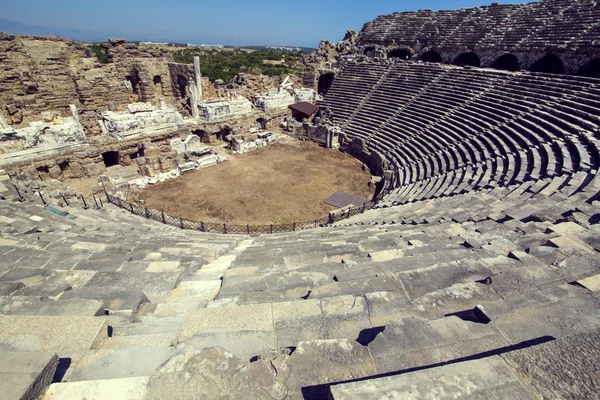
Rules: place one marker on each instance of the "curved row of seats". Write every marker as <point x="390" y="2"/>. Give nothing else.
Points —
<point x="543" y="24"/>
<point x="447" y="130"/>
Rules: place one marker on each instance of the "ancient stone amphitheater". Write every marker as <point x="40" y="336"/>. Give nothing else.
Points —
<point x="477" y="276"/>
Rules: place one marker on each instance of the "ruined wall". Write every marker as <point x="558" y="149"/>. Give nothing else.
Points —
<point x="47" y="74"/>
<point x="567" y="29"/>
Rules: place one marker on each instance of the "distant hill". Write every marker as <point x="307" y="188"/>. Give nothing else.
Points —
<point x="18" y="28"/>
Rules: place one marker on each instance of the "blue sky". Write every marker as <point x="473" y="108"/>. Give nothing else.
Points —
<point x="229" y="22"/>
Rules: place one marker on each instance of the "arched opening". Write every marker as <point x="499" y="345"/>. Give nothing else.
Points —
<point x="471" y="59"/>
<point x="506" y="62"/>
<point x="261" y="123"/>
<point x="401" y="54"/>
<point x="110" y="158"/>
<point x="591" y="69"/>
<point x="549" y="64"/>
<point x="431" y="56"/>
<point x="369" y="51"/>
<point x="134" y="82"/>
<point x="158" y="87"/>
<point x="325" y="82"/>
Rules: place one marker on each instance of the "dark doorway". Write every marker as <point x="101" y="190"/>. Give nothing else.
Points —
<point x="261" y="123"/>
<point x="111" y="158"/>
<point x="470" y="59"/>
<point x="591" y="69"/>
<point x="204" y="136"/>
<point x="401" y="54"/>
<point x="134" y="80"/>
<point x="507" y="62"/>
<point x="158" y="87"/>
<point x="325" y="82"/>
<point x="431" y="56"/>
<point x="369" y="51"/>
<point x="550" y="64"/>
<point x="182" y="86"/>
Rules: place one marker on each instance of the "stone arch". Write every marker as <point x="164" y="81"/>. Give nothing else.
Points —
<point x="402" y="54"/>
<point x="549" y="64"/>
<point x="431" y="56"/>
<point x="325" y="82"/>
<point x="506" y="62"/>
<point x="469" y="58"/>
<point x="591" y="69"/>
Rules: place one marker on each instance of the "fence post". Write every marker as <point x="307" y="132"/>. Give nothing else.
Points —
<point x="147" y="213"/>
<point x="163" y="217"/>
<point x="42" y="197"/>
<point x="85" y="206"/>
<point x="248" y="228"/>
<point x="364" y="207"/>
<point x="131" y="208"/>
<point x="21" y="198"/>
<point x="202" y="226"/>
<point x="64" y="198"/>
<point x="181" y="221"/>
<point x="225" y="228"/>
<point x="102" y="205"/>
<point x="271" y="228"/>
<point x="315" y="223"/>
<point x="294" y="227"/>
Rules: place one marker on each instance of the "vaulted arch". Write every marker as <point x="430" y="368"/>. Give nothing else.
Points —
<point x="471" y="59"/>
<point x="549" y="64"/>
<point x="591" y="69"/>
<point x="506" y="62"/>
<point x="431" y="56"/>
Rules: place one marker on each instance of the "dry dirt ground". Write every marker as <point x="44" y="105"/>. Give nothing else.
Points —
<point x="283" y="183"/>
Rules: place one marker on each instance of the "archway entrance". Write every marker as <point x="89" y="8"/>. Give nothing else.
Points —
<point x="591" y="69"/>
<point x="549" y="64"/>
<point x="506" y="62"/>
<point x="261" y="123"/>
<point x="325" y="82"/>
<point x="401" y="54"/>
<point x="470" y="59"/>
<point x="431" y="56"/>
<point x="182" y="86"/>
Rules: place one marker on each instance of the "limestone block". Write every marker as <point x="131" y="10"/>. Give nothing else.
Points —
<point x="26" y="375"/>
<point x="192" y="142"/>
<point x="177" y="145"/>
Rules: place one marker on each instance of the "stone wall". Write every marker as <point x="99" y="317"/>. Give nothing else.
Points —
<point x="47" y="74"/>
<point x="567" y="29"/>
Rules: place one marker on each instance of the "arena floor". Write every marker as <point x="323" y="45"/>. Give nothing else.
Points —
<point x="283" y="183"/>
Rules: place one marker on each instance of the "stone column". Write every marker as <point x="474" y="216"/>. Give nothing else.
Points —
<point x="3" y="123"/>
<point x="194" y="100"/>
<point x="198" y="78"/>
<point x="163" y="104"/>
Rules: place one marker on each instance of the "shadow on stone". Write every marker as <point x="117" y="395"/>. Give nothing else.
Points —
<point x="366" y="336"/>
<point x="324" y="392"/>
<point x="61" y="369"/>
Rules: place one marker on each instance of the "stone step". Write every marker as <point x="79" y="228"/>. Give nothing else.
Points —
<point x="120" y="389"/>
<point x="35" y="306"/>
<point x="487" y="378"/>
<point x="120" y="363"/>
<point x="26" y="375"/>
<point x="69" y="337"/>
